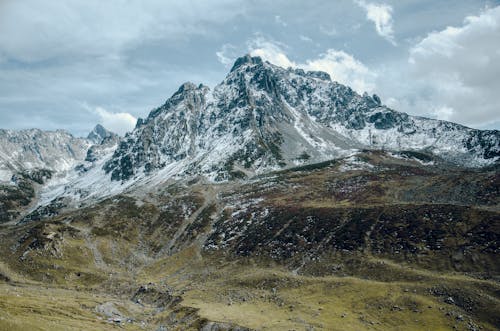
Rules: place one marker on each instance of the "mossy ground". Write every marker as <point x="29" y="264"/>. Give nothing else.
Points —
<point x="258" y="295"/>
<point x="377" y="274"/>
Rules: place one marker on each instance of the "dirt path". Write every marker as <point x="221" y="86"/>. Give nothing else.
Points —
<point x="91" y="244"/>
<point x="209" y="197"/>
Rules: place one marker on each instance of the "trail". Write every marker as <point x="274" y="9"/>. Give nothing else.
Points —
<point x="91" y="244"/>
<point x="209" y="196"/>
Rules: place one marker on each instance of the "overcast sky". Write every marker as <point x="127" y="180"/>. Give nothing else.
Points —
<point x="72" y="64"/>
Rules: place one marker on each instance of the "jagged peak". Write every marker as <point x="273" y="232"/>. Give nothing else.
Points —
<point x="189" y="86"/>
<point x="246" y="59"/>
<point x="256" y="60"/>
<point x="99" y="129"/>
<point x="99" y="133"/>
<point x="187" y="91"/>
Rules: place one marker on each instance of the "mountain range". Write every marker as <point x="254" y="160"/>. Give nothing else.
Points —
<point x="279" y="199"/>
<point x="260" y="118"/>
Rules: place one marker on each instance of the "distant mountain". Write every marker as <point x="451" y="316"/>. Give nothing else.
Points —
<point x="278" y="200"/>
<point x="102" y="140"/>
<point x="36" y="149"/>
<point x="32" y="160"/>
<point x="99" y="133"/>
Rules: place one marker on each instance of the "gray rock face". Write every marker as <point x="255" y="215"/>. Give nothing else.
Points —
<point x="37" y="149"/>
<point x="263" y="117"/>
<point x="102" y="140"/>
<point x="99" y="133"/>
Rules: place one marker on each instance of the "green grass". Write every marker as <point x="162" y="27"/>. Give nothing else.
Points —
<point x="54" y="273"/>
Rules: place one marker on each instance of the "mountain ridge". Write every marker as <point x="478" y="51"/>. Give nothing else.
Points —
<point x="268" y="103"/>
<point x="34" y="148"/>
<point x="260" y="118"/>
<point x="279" y="200"/>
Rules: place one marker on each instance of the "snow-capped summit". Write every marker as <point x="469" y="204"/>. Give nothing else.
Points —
<point x="261" y="118"/>
<point x="265" y="117"/>
<point x="99" y="133"/>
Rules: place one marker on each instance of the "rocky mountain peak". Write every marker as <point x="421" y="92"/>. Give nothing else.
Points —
<point x="99" y="133"/>
<point x="246" y="60"/>
<point x="188" y="95"/>
<point x="22" y="150"/>
<point x="263" y="117"/>
<point x="102" y="140"/>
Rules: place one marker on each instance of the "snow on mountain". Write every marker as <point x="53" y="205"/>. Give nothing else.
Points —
<point x="103" y="140"/>
<point x="57" y="151"/>
<point x="99" y="133"/>
<point x="263" y="117"/>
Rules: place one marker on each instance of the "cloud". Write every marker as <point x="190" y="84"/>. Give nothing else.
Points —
<point x="345" y="69"/>
<point x="227" y="54"/>
<point x="329" y="31"/>
<point x="459" y="69"/>
<point x="259" y="45"/>
<point x="130" y="55"/>
<point x="33" y="31"/>
<point x="305" y="38"/>
<point x="341" y="66"/>
<point x="119" y="54"/>
<point x="269" y="50"/>
<point x="280" y="21"/>
<point x="120" y="123"/>
<point x="381" y="16"/>
<point x="444" y="113"/>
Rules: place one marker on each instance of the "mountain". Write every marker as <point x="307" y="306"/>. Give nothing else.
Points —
<point x="99" y="133"/>
<point x="32" y="160"/>
<point x="279" y="200"/>
<point x="56" y="151"/>
<point x="102" y="140"/>
<point x="263" y="117"/>
<point x="375" y="241"/>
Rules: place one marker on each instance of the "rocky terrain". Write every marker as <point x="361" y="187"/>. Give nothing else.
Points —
<point x="281" y="200"/>
<point x="37" y="149"/>
<point x="374" y="241"/>
<point x="261" y="118"/>
<point x="30" y="159"/>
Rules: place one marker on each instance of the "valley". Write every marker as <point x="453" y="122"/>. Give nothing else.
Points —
<point x="278" y="200"/>
<point x="375" y="241"/>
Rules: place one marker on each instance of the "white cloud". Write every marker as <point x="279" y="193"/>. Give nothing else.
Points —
<point x="381" y="16"/>
<point x="459" y="67"/>
<point x="227" y="54"/>
<point x="329" y="31"/>
<point x="280" y="21"/>
<point x="120" y="123"/>
<point x="270" y="51"/>
<point x="341" y="66"/>
<point x="345" y="69"/>
<point x="444" y="112"/>
<point x="305" y="38"/>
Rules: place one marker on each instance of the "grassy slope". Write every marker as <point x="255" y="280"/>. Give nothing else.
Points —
<point x="53" y="274"/>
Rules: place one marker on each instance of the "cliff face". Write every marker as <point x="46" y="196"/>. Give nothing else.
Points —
<point x="36" y="149"/>
<point x="263" y="117"/>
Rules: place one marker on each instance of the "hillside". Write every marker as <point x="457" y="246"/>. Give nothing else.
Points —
<point x="279" y="200"/>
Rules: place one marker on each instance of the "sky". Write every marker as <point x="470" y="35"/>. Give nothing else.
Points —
<point x="75" y="63"/>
